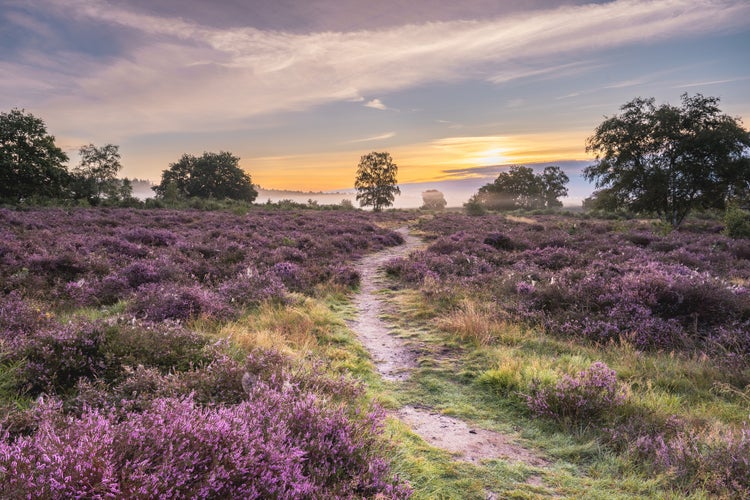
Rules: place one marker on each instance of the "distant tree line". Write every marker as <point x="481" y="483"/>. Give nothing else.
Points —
<point x="33" y="170"/>
<point x="521" y="188"/>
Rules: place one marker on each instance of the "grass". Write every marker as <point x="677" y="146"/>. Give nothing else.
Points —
<point x="478" y="368"/>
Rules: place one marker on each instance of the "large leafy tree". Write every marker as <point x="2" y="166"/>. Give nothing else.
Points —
<point x="519" y="187"/>
<point x="668" y="159"/>
<point x="31" y="165"/>
<point x="96" y="174"/>
<point x="376" y="181"/>
<point x="212" y="175"/>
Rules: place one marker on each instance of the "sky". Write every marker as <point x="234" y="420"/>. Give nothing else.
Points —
<point x="301" y="89"/>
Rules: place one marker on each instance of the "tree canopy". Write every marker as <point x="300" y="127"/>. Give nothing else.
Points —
<point x="212" y="175"/>
<point x="96" y="179"/>
<point x="376" y="181"/>
<point x="669" y="159"/>
<point x="519" y="187"/>
<point x="31" y="165"/>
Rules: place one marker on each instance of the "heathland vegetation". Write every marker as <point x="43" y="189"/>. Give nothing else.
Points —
<point x="187" y="353"/>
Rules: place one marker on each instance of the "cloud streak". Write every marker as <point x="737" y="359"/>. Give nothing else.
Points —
<point x="178" y="75"/>
<point x="380" y="137"/>
<point x="375" y="104"/>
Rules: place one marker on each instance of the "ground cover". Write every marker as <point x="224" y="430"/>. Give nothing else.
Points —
<point x="152" y="354"/>
<point x="597" y="359"/>
<point x="619" y="350"/>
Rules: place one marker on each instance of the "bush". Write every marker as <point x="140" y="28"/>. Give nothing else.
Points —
<point x="736" y="222"/>
<point x="55" y="359"/>
<point x="499" y="241"/>
<point x="250" y="288"/>
<point x="167" y="347"/>
<point x="474" y="207"/>
<point x="157" y="302"/>
<point x="587" y="398"/>
<point x="98" y="292"/>
<point x="715" y="461"/>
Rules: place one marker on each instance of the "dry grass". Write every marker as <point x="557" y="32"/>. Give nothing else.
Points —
<point x="295" y="328"/>
<point x="474" y="323"/>
<point x="523" y="220"/>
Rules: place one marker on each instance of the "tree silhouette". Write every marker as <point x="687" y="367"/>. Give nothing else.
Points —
<point x="376" y="181"/>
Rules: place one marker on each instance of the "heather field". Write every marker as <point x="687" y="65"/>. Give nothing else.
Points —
<point x="209" y="354"/>
<point x="165" y="354"/>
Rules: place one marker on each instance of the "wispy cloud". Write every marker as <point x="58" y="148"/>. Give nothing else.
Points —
<point x="178" y="75"/>
<point x="626" y="83"/>
<point x="380" y="137"/>
<point x="375" y="104"/>
<point x="711" y="82"/>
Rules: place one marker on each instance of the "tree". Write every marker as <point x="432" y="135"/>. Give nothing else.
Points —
<point x="432" y="199"/>
<point x="376" y="181"/>
<point x="521" y="188"/>
<point x="669" y="160"/>
<point x="31" y="165"/>
<point x="213" y="175"/>
<point x="96" y="175"/>
<point x="601" y="199"/>
<point x="553" y="181"/>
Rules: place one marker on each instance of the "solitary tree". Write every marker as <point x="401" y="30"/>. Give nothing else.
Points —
<point x="96" y="174"/>
<point x="432" y="199"/>
<point x="521" y="188"/>
<point x="376" y="181"/>
<point x="30" y="162"/>
<point x="213" y="175"/>
<point x="668" y="160"/>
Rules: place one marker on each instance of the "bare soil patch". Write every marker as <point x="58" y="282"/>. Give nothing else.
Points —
<point x="470" y="444"/>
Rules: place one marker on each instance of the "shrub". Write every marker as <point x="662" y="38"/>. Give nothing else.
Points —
<point x="167" y="347"/>
<point x="345" y="275"/>
<point x="587" y="398"/>
<point x="158" y="302"/>
<point x="715" y="461"/>
<point x="55" y="359"/>
<point x="291" y="274"/>
<point x="737" y="222"/>
<point x="19" y="319"/>
<point x="250" y="288"/>
<point x="474" y="207"/>
<point x="98" y="292"/>
<point x="499" y="241"/>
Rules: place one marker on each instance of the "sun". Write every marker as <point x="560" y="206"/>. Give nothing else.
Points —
<point x="493" y="156"/>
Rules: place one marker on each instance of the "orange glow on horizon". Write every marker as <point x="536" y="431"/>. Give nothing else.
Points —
<point x="421" y="162"/>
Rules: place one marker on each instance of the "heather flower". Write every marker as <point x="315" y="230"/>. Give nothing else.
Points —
<point x="251" y="287"/>
<point x="278" y="444"/>
<point x="588" y="397"/>
<point x="156" y="302"/>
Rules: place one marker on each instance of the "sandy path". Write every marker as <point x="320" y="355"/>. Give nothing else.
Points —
<point x="392" y="357"/>
<point x="395" y="361"/>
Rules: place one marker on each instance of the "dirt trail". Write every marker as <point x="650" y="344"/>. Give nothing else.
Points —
<point x="395" y="361"/>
